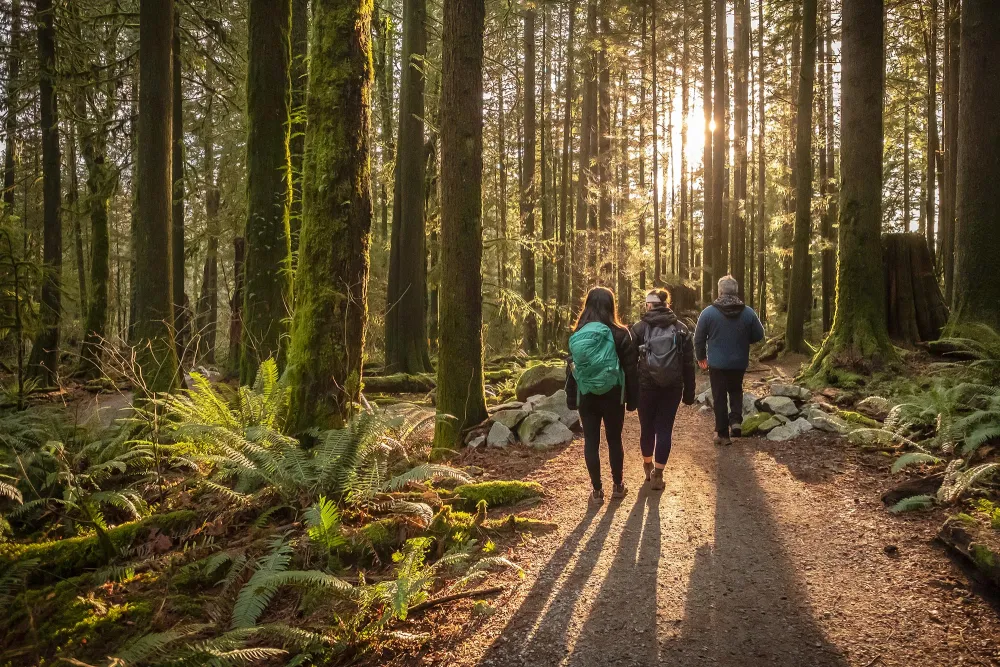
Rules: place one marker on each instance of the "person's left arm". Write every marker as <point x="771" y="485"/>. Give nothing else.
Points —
<point x="628" y="357"/>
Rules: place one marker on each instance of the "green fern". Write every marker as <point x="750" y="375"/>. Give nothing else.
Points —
<point x="256" y="594"/>
<point x="912" y="503"/>
<point x="912" y="458"/>
<point x="323" y="521"/>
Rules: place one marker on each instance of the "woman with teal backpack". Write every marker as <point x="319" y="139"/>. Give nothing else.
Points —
<point x="601" y="383"/>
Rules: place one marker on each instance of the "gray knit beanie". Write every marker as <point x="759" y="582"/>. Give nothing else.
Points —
<point x="728" y="286"/>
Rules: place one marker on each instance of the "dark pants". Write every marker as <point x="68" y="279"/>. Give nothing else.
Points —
<point x="608" y="408"/>
<point x="657" y="410"/>
<point x="727" y="397"/>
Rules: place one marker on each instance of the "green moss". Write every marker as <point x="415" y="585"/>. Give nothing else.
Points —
<point x="983" y="555"/>
<point x="497" y="493"/>
<point x="515" y="523"/>
<point x="753" y="422"/>
<point x="858" y="418"/>
<point x="69" y="557"/>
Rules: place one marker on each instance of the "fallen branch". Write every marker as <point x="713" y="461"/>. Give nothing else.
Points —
<point x="427" y="604"/>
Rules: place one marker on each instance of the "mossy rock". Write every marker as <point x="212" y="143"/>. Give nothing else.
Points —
<point x="858" y="418"/>
<point x="514" y="523"/>
<point x="62" y="559"/>
<point x="497" y="493"/>
<point x="752" y="423"/>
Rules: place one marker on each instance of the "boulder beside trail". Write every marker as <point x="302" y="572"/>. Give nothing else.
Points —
<point x="790" y="391"/>
<point x="751" y="424"/>
<point x="534" y="424"/>
<point x="705" y="397"/>
<point x="780" y="405"/>
<point x="512" y="405"/>
<point x="552" y="435"/>
<point x="499" y="436"/>
<point x="557" y="403"/>
<point x="750" y="404"/>
<point x="790" y="430"/>
<point x="510" y="418"/>
<point x="824" y="422"/>
<point x="542" y="379"/>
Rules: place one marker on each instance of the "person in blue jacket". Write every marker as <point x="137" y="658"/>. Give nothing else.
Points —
<point x="722" y="340"/>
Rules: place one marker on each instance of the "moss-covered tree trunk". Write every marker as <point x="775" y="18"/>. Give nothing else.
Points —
<point x="405" y="320"/>
<point x="328" y="329"/>
<point x="11" y="102"/>
<point x="385" y="77"/>
<point x="152" y="331"/>
<point x="528" y="189"/>
<point x="207" y="316"/>
<point x="859" y="340"/>
<point x="977" y="230"/>
<point x="297" y="135"/>
<point x="267" y="292"/>
<point x="460" y="398"/>
<point x="801" y="277"/>
<point x="44" y="361"/>
<point x="181" y="306"/>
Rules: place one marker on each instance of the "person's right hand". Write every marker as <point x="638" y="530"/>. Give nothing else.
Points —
<point x="703" y="364"/>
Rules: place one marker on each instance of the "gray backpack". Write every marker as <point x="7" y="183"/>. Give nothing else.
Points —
<point x="661" y="354"/>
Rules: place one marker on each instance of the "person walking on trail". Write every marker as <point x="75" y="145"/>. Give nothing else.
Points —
<point x="602" y="382"/>
<point x="666" y="376"/>
<point x="722" y="340"/>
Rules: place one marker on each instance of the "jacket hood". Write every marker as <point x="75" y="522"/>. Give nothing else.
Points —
<point x="660" y="316"/>
<point x="729" y="305"/>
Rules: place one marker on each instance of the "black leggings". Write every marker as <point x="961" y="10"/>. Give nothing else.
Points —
<point x="657" y="410"/>
<point x="593" y="409"/>
<point x="727" y="387"/>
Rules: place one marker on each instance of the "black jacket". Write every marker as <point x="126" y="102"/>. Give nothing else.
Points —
<point x="663" y="317"/>
<point x="627" y="357"/>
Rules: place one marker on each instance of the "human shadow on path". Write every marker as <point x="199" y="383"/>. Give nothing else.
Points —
<point x="745" y="605"/>
<point x="621" y="627"/>
<point x="526" y="640"/>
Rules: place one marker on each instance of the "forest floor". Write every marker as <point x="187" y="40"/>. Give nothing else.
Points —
<point x="761" y="553"/>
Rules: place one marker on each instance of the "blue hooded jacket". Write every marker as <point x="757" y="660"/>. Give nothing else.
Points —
<point x="727" y="328"/>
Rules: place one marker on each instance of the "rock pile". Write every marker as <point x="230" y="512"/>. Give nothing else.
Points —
<point x="789" y="412"/>
<point x="540" y="421"/>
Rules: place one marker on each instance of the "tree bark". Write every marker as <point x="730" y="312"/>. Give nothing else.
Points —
<point x="583" y="204"/>
<point x="460" y="394"/>
<point x="152" y="334"/>
<point x="385" y="74"/>
<point x="299" y="73"/>
<point x="406" y="348"/>
<point x="977" y="232"/>
<point x="11" y="102"/>
<point x="708" y="178"/>
<point x="915" y="307"/>
<point x="859" y="339"/>
<point x="565" y="184"/>
<point x="181" y="314"/>
<point x="685" y="215"/>
<point x="44" y="361"/>
<point x="720" y="142"/>
<point x="946" y="246"/>
<point x="930" y="49"/>
<point x="268" y="245"/>
<point x="208" y="302"/>
<point x="604" y="131"/>
<point x="328" y="328"/>
<point x="763" y="226"/>
<point x="741" y="90"/>
<point x="528" y="189"/>
<point x="657" y="265"/>
<point x="801" y="276"/>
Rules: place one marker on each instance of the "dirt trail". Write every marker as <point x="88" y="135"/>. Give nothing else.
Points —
<point x="749" y="557"/>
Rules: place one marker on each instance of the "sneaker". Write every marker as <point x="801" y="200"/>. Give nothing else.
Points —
<point x="722" y="441"/>
<point x="619" y="490"/>
<point x="596" y="497"/>
<point x="737" y="430"/>
<point x="657" y="481"/>
<point x="647" y="467"/>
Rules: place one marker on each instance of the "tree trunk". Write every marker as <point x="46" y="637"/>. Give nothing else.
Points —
<point x="642" y="152"/>
<point x="405" y="321"/>
<point x="11" y="102"/>
<point x="385" y="74"/>
<point x="915" y="307"/>
<point x="977" y="233"/>
<point x="268" y="250"/>
<point x="708" y="179"/>
<point x="152" y="334"/>
<point x="208" y="301"/>
<point x="906" y="152"/>
<point x="624" y="284"/>
<point x="801" y="276"/>
<point x="73" y="206"/>
<point x="741" y="90"/>
<point x="565" y="184"/>
<point x="236" y="304"/>
<point x="583" y="204"/>
<point x="181" y="314"/>
<point x="762" y="222"/>
<point x="657" y="281"/>
<point x="720" y="142"/>
<point x="859" y="339"/>
<point x="44" y="361"/>
<point x="930" y="49"/>
<point x="299" y="74"/>
<point x="460" y="397"/>
<point x="528" y="190"/>
<point x="604" y="131"/>
<point x="946" y="246"/>
<point x="328" y="328"/>
<point x="682" y="236"/>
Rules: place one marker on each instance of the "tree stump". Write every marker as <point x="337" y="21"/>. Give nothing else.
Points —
<point x="915" y="306"/>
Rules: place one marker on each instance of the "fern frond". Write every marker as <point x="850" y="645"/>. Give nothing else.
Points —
<point x="912" y="503"/>
<point x="911" y="458"/>
<point x="426" y="471"/>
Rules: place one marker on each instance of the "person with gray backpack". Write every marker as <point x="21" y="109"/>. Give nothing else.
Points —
<point x="601" y="382"/>
<point x="666" y="377"/>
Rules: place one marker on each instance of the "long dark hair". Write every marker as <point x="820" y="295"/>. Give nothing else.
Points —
<point x="599" y="307"/>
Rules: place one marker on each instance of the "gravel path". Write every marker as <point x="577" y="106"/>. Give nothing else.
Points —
<point x="756" y="554"/>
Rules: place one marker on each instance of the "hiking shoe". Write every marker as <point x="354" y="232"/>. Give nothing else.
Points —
<point x="722" y="441"/>
<point x="647" y="467"/>
<point x="657" y="480"/>
<point x="619" y="490"/>
<point x="737" y="430"/>
<point x="596" y="497"/>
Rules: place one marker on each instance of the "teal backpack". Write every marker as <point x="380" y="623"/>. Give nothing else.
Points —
<point x="595" y="360"/>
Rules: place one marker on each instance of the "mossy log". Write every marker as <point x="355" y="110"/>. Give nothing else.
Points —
<point x="915" y="307"/>
<point x="496" y="493"/>
<point x="400" y="383"/>
<point x="975" y="544"/>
